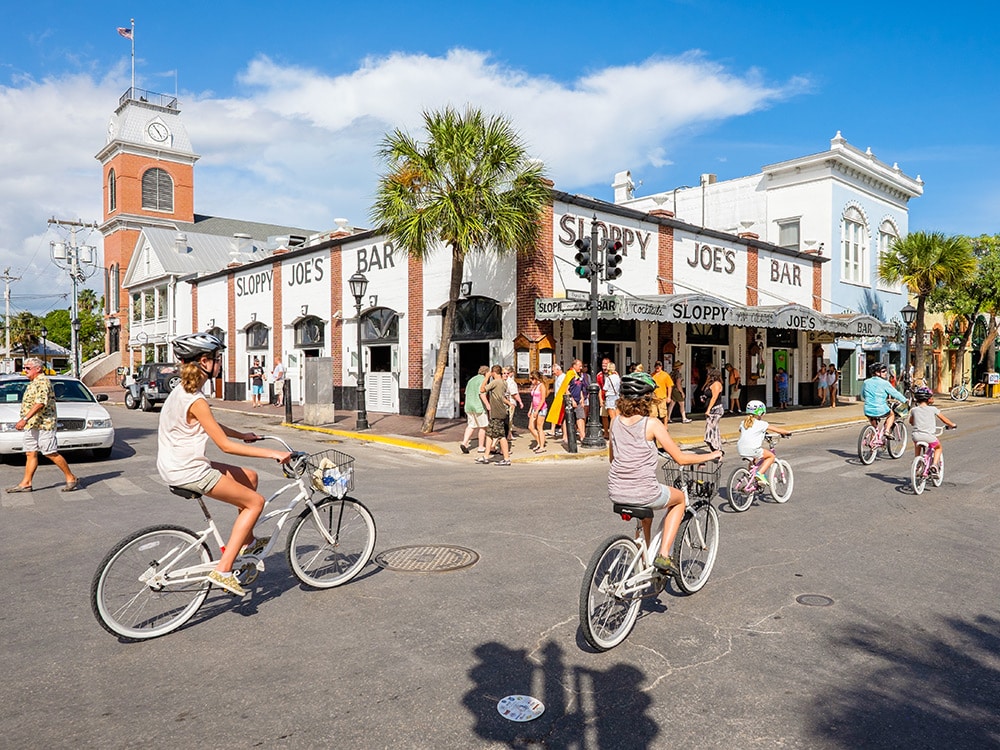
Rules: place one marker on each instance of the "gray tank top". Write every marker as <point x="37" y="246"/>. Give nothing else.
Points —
<point x="632" y="477"/>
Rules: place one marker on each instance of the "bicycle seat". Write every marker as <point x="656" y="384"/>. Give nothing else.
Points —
<point x="628" y="512"/>
<point x="185" y="493"/>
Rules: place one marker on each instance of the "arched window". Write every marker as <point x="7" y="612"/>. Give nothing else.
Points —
<point x="258" y="336"/>
<point x="854" y="231"/>
<point x="112" y="191"/>
<point x="887" y="235"/>
<point x="309" y="332"/>
<point x="477" y="318"/>
<point x="157" y="190"/>
<point x="380" y="325"/>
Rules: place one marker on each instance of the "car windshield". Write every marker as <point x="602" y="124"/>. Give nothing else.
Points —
<point x="74" y="391"/>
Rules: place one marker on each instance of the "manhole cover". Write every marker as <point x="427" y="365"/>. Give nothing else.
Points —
<point x="814" y="600"/>
<point x="428" y="558"/>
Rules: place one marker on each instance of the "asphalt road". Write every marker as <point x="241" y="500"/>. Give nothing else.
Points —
<point x="907" y="654"/>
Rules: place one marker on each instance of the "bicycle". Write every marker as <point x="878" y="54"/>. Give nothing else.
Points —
<point x="873" y="439"/>
<point x="621" y="574"/>
<point x="924" y="468"/>
<point x="744" y="486"/>
<point x="153" y="581"/>
<point x="962" y="392"/>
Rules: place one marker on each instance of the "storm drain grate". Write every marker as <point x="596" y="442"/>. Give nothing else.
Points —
<point x="814" y="600"/>
<point x="427" y="558"/>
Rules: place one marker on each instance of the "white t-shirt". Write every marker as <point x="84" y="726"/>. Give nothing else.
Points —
<point x="751" y="438"/>
<point x="180" y="456"/>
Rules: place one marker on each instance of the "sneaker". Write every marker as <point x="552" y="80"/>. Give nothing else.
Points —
<point x="504" y="462"/>
<point x="464" y="447"/>
<point x="762" y="480"/>
<point x="482" y="460"/>
<point x="686" y="421"/>
<point x="256" y="546"/>
<point x="227" y="581"/>
<point x="664" y="564"/>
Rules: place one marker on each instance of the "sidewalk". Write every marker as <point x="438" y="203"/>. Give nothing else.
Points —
<point x="404" y="431"/>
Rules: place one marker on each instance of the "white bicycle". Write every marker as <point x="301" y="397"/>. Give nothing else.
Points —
<point x="153" y="581"/>
<point x="621" y="572"/>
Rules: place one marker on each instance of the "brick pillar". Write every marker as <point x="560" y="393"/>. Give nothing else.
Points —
<point x="337" y="326"/>
<point x="535" y="279"/>
<point x="665" y="256"/>
<point x="817" y="295"/>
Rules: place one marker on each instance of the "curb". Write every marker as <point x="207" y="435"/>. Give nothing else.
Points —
<point x="399" y="442"/>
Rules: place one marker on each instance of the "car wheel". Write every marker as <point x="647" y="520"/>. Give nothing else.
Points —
<point x="146" y="404"/>
<point x="130" y="402"/>
<point x="173" y="382"/>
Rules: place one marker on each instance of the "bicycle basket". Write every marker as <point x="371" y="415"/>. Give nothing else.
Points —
<point x="702" y="479"/>
<point x="331" y="472"/>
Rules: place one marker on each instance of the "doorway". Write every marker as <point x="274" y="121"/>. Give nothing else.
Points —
<point x="471" y="356"/>
<point x="703" y="357"/>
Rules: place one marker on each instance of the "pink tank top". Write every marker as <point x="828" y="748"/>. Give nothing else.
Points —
<point x="536" y="397"/>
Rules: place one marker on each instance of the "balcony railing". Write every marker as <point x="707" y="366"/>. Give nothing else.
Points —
<point x="166" y="101"/>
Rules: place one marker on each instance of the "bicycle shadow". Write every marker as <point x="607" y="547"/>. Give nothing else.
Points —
<point x="584" y="707"/>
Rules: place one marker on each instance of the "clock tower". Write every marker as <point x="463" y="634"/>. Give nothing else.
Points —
<point x="147" y="167"/>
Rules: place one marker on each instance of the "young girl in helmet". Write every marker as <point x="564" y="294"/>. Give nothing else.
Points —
<point x="751" y="443"/>
<point x="632" y="478"/>
<point x="923" y="417"/>
<point x="186" y="423"/>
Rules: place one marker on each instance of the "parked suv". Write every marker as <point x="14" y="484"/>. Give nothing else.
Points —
<point x="151" y="384"/>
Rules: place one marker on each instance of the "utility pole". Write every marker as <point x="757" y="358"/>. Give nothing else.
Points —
<point x="80" y="262"/>
<point x="7" y="278"/>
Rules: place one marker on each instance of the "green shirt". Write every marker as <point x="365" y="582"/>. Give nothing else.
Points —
<point x="39" y="391"/>
<point x="474" y="404"/>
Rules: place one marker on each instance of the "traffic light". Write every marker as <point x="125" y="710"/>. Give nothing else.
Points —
<point x="612" y="257"/>
<point x="583" y="268"/>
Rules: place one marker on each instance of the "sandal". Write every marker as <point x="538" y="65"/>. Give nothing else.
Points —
<point x="70" y="486"/>
<point x="19" y="488"/>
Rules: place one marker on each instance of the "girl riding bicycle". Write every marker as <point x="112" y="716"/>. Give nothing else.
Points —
<point x="632" y="451"/>
<point x="923" y="417"/>
<point x="186" y="423"/>
<point x="751" y="443"/>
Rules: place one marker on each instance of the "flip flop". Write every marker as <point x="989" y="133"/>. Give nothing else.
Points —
<point x="19" y="488"/>
<point x="70" y="486"/>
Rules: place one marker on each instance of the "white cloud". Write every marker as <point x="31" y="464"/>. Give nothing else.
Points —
<point x="297" y="147"/>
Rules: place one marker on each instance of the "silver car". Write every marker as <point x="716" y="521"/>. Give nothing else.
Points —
<point x="82" y="422"/>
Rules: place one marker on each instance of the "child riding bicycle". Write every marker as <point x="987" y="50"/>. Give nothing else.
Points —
<point x="186" y="423"/>
<point x="876" y="392"/>
<point x="751" y="443"/>
<point x="923" y="417"/>
<point x="632" y="451"/>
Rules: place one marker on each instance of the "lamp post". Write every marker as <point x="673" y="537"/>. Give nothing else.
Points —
<point x="909" y="314"/>
<point x="45" y="349"/>
<point x="359" y="284"/>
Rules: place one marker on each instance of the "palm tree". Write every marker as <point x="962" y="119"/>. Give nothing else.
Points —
<point x="925" y="261"/>
<point x="470" y="187"/>
<point x="25" y="333"/>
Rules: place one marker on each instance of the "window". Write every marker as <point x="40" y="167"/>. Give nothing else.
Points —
<point x="887" y="234"/>
<point x="136" y="306"/>
<point x="161" y="303"/>
<point x="476" y="319"/>
<point x="788" y="233"/>
<point x="309" y="332"/>
<point x="854" y="250"/>
<point x="381" y="325"/>
<point x="157" y="190"/>
<point x="112" y="191"/>
<point x="257" y="336"/>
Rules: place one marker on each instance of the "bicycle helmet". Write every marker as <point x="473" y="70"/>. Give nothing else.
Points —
<point x="877" y="368"/>
<point x="191" y="346"/>
<point x="757" y="408"/>
<point x="637" y="384"/>
<point x="923" y="394"/>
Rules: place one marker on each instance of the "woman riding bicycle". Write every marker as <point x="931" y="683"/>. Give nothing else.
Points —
<point x="875" y="392"/>
<point x="186" y="423"/>
<point x="632" y="451"/>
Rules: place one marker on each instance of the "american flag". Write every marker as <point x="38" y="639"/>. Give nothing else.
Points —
<point x="125" y="32"/>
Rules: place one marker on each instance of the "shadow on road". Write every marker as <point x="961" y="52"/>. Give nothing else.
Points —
<point x="608" y="711"/>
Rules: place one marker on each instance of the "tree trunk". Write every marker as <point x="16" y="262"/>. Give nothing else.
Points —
<point x="447" y="329"/>
<point x="918" y="344"/>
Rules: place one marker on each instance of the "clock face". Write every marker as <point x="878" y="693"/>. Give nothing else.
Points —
<point x="158" y="131"/>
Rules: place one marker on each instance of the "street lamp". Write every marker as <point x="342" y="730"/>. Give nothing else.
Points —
<point x="45" y="349"/>
<point x="359" y="284"/>
<point x="909" y="314"/>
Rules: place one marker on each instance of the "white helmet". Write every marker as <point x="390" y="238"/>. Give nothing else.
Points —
<point x="757" y="408"/>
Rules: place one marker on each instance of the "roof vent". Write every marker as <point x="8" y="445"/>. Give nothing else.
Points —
<point x="181" y="242"/>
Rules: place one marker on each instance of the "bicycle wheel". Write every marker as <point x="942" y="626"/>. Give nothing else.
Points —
<point x="607" y="619"/>
<point x="895" y="440"/>
<point x="135" y="610"/>
<point x="314" y="559"/>
<point x="739" y="498"/>
<point x="866" y="445"/>
<point x="696" y="547"/>
<point x="959" y="393"/>
<point x="938" y="476"/>
<point x="918" y="480"/>
<point x="781" y="480"/>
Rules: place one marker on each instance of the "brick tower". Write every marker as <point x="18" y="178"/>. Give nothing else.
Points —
<point x="147" y="170"/>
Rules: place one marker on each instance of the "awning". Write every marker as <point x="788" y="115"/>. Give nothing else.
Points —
<point x="700" y="308"/>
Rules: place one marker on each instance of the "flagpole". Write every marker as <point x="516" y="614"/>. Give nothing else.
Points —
<point x="133" y="58"/>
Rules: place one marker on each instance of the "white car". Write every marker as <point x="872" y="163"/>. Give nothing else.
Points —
<point x="82" y="422"/>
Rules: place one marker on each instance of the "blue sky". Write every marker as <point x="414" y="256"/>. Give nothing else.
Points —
<point x="286" y="102"/>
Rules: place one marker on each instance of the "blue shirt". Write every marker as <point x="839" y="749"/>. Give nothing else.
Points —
<point x="875" y="392"/>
